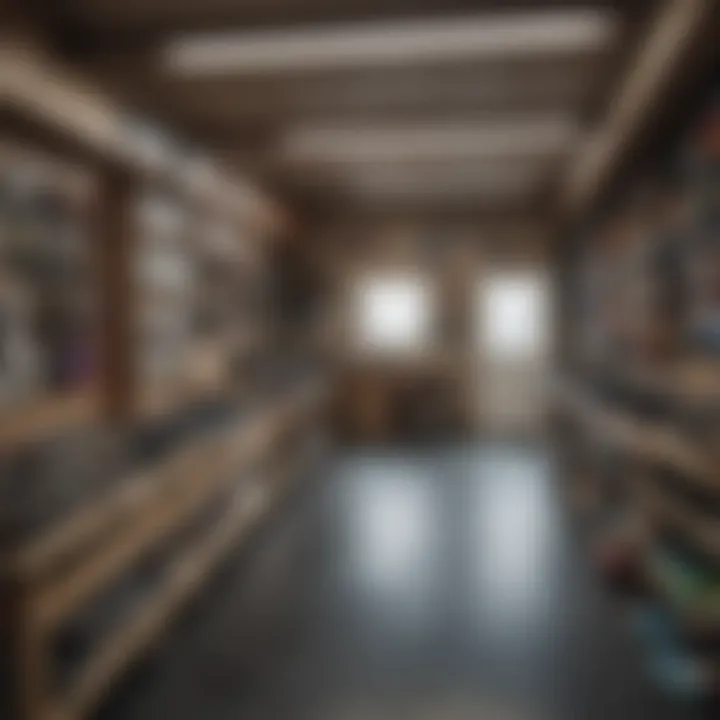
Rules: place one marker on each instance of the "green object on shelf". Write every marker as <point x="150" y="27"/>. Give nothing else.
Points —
<point x="689" y="585"/>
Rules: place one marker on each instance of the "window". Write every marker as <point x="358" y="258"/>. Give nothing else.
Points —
<point x="513" y="316"/>
<point x="394" y="313"/>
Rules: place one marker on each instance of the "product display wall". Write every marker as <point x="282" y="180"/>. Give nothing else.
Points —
<point x="47" y="297"/>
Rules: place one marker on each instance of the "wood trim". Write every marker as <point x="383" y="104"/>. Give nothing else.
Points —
<point x="680" y="25"/>
<point x="116" y="244"/>
<point x="153" y="617"/>
<point x="42" y="418"/>
<point x="41" y="604"/>
<point x="37" y="89"/>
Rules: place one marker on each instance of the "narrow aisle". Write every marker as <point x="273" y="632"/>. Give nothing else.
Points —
<point x="437" y="581"/>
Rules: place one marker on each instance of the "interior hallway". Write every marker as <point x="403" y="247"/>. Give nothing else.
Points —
<point x="482" y="605"/>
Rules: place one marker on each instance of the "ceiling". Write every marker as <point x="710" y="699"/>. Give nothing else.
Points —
<point x="368" y="104"/>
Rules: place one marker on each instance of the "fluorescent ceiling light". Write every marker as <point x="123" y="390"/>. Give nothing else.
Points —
<point x="441" y="192"/>
<point x="534" y="137"/>
<point x="469" y="173"/>
<point x="445" y="179"/>
<point x="393" y="43"/>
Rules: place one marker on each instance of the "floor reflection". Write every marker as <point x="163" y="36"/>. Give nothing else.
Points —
<point x="514" y="536"/>
<point x="389" y="550"/>
<point x="417" y="585"/>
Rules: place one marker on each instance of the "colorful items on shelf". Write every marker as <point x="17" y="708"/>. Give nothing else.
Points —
<point x="669" y="662"/>
<point x="645" y="339"/>
<point x="47" y="304"/>
<point x="689" y="582"/>
<point x="163" y="280"/>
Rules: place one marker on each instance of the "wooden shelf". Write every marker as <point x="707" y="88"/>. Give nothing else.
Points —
<point x="183" y="580"/>
<point x="166" y="398"/>
<point x="56" y="574"/>
<point x="660" y="445"/>
<point x="610" y="427"/>
<point x="701" y="531"/>
<point x="144" y="487"/>
<point x="666" y="447"/>
<point x="48" y="416"/>
<point x="688" y="384"/>
<point x="80" y="528"/>
<point x="187" y="483"/>
<point x="207" y="376"/>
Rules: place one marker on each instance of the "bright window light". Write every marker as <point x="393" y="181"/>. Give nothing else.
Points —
<point x="513" y="316"/>
<point x="393" y="43"/>
<point x="394" y="313"/>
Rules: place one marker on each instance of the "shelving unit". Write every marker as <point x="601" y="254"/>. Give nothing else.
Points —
<point x="698" y="613"/>
<point x="666" y="513"/>
<point x="55" y="574"/>
<point x="49" y="376"/>
<point x="127" y="485"/>
<point x="657" y="444"/>
<point x="146" y="624"/>
<point x="642" y="386"/>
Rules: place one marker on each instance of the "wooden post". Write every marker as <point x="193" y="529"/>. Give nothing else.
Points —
<point x="25" y="674"/>
<point x="115" y="243"/>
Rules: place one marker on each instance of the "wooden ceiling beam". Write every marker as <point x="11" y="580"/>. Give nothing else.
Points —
<point x="682" y="32"/>
<point x="120" y="41"/>
<point x="531" y="215"/>
<point x="231" y="118"/>
<point x="131" y="24"/>
<point x="251" y="111"/>
<point x="51" y="99"/>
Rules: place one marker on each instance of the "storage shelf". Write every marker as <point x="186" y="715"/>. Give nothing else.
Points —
<point x="81" y="527"/>
<point x="687" y="385"/>
<point x="185" y="578"/>
<point x="701" y="531"/>
<point x="166" y="398"/>
<point x="84" y="555"/>
<point x="47" y="416"/>
<point x="667" y="447"/>
<point x="610" y="427"/>
<point x="690" y="383"/>
<point x="188" y="481"/>
<point x="654" y="444"/>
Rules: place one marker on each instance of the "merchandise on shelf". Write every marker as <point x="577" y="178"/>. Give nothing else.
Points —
<point x="47" y="304"/>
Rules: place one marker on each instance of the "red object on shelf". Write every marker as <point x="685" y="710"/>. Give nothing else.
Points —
<point x="620" y="564"/>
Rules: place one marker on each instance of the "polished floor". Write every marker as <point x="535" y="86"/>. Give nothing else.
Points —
<point x="434" y="584"/>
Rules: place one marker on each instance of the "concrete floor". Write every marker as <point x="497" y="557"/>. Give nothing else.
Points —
<point x="439" y="584"/>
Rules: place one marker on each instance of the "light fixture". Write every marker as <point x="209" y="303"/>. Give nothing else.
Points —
<point x="379" y="44"/>
<point x="446" y="178"/>
<point x="528" y="138"/>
